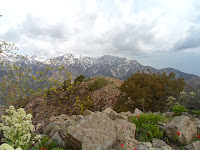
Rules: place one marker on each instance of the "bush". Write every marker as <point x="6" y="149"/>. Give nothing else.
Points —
<point x="178" y="109"/>
<point x="197" y="112"/>
<point x="47" y="144"/>
<point x="97" y="84"/>
<point x="8" y="147"/>
<point x="149" y="91"/>
<point x="16" y="128"/>
<point x="146" y="128"/>
<point x="79" y="79"/>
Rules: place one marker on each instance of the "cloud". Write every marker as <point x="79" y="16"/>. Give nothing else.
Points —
<point x="100" y="27"/>
<point x="190" y="41"/>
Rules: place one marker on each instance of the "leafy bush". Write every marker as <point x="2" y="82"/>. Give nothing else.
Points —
<point x="149" y="91"/>
<point x="48" y="144"/>
<point x="97" y="84"/>
<point x="178" y="109"/>
<point x="146" y="128"/>
<point x="196" y="112"/>
<point x="7" y="147"/>
<point x="16" y="128"/>
<point x="79" y="79"/>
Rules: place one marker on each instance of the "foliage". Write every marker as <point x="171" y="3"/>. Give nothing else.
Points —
<point x="196" y="112"/>
<point x="79" y="79"/>
<point x="7" y="147"/>
<point x="178" y="109"/>
<point x="16" y="128"/>
<point x="81" y="106"/>
<point x="19" y="82"/>
<point x="47" y="143"/>
<point x="97" y="84"/>
<point x="146" y="128"/>
<point x="148" y="91"/>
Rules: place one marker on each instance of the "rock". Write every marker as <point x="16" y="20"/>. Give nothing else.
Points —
<point x="168" y="114"/>
<point x="51" y="127"/>
<point x="193" y="146"/>
<point x="87" y="112"/>
<point x="160" y="144"/>
<point x="76" y="117"/>
<point x="126" y="115"/>
<point x="161" y="125"/>
<point x="56" y="136"/>
<point x="137" y="111"/>
<point x="61" y="117"/>
<point x="144" y="146"/>
<point x="185" y="113"/>
<point x="197" y="124"/>
<point x="95" y="131"/>
<point x="113" y="115"/>
<point x="184" y="126"/>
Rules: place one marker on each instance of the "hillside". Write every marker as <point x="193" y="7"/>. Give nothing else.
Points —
<point x="103" y="91"/>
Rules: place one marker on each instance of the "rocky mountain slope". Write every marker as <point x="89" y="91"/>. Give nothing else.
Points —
<point x="106" y="65"/>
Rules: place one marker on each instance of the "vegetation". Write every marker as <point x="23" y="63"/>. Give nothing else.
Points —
<point x="178" y="109"/>
<point x="148" y="91"/>
<point x="146" y="127"/>
<point x="97" y="84"/>
<point x="196" y="112"/>
<point x="19" y="82"/>
<point x="79" y="79"/>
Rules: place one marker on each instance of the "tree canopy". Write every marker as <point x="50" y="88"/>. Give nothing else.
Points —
<point x="148" y="91"/>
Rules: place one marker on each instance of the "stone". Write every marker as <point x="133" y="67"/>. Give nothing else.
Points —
<point x="137" y="112"/>
<point x="161" y="125"/>
<point x="160" y="144"/>
<point x="193" y="146"/>
<point x="184" y="126"/>
<point x="168" y="114"/>
<point x="93" y="134"/>
<point x="56" y="136"/>
<point x="197" y="124"/>
<point x="87" y="112"/>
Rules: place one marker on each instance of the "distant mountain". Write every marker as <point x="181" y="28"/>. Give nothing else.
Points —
<point x="106" y="65"/>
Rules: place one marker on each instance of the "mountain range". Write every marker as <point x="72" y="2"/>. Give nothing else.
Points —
<point x="106" y="65"/>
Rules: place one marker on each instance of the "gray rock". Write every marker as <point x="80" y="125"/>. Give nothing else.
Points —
<point x="193" y="146"/>
<point x="160" y="144"/>
<point x="184" y="126"/>
<point x="197" y="124"/>
<point x="137" y="111"/>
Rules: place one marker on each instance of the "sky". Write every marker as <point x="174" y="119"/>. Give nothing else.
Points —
<point x="157" y="33"/>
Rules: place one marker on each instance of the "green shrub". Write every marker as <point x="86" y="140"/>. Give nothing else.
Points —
<point x="45" y="143"/>
<point x="97" y="84"/>
<point x="196" y="112"/>
<point x="178" y="109"/>
<point x="146" y="128"/>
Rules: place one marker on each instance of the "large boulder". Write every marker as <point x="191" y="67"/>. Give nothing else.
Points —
<point x="180" y="125"/>
<point x="94" y="131"/>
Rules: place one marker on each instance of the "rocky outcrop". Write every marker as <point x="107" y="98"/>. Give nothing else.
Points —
<point x="94" y="131"/>
<point x="181" y="130"/>
<point x="108" y="130"/>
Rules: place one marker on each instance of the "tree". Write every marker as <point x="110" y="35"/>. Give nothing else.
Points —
<point x="20" y="82"/>
<point x="79" y="79"/>
<point x="148" y="91"/>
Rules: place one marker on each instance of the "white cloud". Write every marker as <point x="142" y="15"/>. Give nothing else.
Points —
<point x="98" y="27"/>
